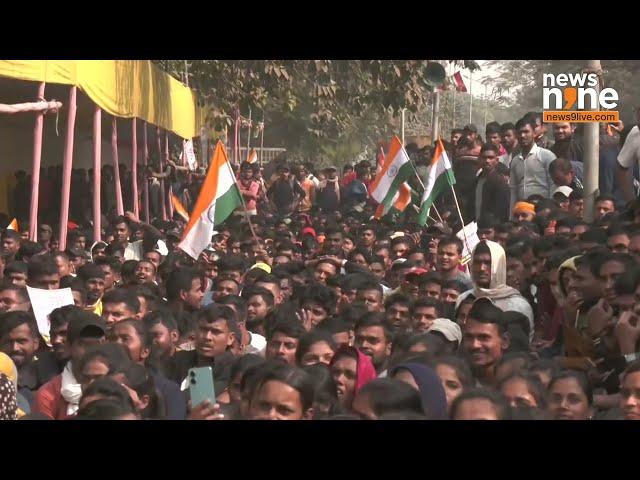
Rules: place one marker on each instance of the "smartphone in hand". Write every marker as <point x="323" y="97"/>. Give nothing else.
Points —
<point x="201" y="386"/>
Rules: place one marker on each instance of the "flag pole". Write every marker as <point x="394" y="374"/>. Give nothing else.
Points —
<point x="464" y="233"/>
<point x="470" y="95"/>
<point x="262" y="139"/>
<point x="249" y="134"/>
<point x="236" y="113"/>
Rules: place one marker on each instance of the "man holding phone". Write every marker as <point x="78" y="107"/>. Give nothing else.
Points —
<point x="215" y="335"/>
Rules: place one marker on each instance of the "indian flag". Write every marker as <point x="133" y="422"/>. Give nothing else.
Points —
<point x="13" y="225"/>
<point x="218" y="198"/>
<point x="253" y="156"/>
<point x="394" y="172"/>
<point x="440" y="177"/>
<point x="400" y="201"/>
<point x="178" y="207"/>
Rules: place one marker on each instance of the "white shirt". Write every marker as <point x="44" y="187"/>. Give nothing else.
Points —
<point x="630" y="153"/>
<point x="133" y="251"/>
<point x="257" y="345"/>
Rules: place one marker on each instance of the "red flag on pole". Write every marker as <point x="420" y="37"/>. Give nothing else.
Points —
<point x="459" y="81"/>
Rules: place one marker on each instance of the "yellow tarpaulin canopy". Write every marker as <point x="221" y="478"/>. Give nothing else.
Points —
<point x="123" y="88"/>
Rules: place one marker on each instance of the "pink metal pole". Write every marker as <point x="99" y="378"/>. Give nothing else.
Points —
<point x="97" y="173"/>
<point x="262" y="141"/>
<point x="134" y="167"/>
<point x="116" y="166"/>
<point x="235" y="141"/>
<point x="146" y="182"/>
<point x="170" y="189"/>
<point x="163" y="203"/>
<point x="66" y="168"/>
<point x="35" y="175"/>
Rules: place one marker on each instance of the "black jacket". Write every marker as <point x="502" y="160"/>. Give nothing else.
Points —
<point x="495" y="197"/>
<point x="174" y="400"/>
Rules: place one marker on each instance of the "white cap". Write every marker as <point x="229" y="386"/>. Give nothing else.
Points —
<point x="161" y="248"/>
<point x="449" y="329"/>
<point x="397" y="234"/>
<point x="566" y="191"/>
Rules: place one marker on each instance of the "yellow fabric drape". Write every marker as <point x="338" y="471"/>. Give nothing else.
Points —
<point x="123" y="88"/>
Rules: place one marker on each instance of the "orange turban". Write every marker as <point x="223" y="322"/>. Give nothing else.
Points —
<point x="524" y="207"/>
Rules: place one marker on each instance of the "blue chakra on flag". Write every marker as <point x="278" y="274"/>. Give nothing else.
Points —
<point x="393" y="170"/>
<point x="211" y="213"/>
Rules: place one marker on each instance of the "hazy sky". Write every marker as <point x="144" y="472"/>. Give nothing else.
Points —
<point x="478" y="77"/>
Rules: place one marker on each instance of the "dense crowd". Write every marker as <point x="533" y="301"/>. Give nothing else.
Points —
<point x="317" y="309"/>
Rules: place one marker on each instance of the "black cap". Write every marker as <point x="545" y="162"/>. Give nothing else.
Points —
<point x="470" y="128"/>
<point x="85" y="324"/>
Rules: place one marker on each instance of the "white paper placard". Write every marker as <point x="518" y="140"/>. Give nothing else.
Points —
<point x="191" y="155"/>
<point x="470" y="231"/>
<point x="44" y="302"/>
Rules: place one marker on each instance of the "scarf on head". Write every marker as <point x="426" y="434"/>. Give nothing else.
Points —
<point x="70" y="390"/>
<point x="365" y="371"/>
<point x="569" y="264"/>
<point x="8" y="368"/>
<point x="498" y="287"/>
<point x="8" y="402"/>
<point x="434" y="398"/>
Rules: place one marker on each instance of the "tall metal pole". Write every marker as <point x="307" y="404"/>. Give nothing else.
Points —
<point x="203" y="146"/>
<point x="97" y="173"/>
<point x="169" y="189"/>
<point x="262" y="139"/>
<point x="116" y="166"/>
<point x="402" y="126"/>
<point x="470" y="96"/>
<point x="435" y="120"/>
<point x="486" y="106"/>
<point x="35" y="175"/>
<point x="163" y="203"/>
<point x="145" y="160"/>
<point x="66" y="168"/>
<point x="134" y="167"/>
<point x="455" y="89"/>
<point x="236" y="140"/>
<point x="591" y="154"/>
<point x="249" y="134"/>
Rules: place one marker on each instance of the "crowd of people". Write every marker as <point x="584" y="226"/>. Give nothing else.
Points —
<point x="307" y="306"/>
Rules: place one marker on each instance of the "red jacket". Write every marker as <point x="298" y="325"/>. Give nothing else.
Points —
<point x="49" y="401"/>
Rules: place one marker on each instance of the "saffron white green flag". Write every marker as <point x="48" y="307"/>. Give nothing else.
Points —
<point x="439" y="178"/>
<point x="396" y="169"/>
<point x="218" y="198"/>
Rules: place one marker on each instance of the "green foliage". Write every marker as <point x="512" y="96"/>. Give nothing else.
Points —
<point x="311" y="106"/>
